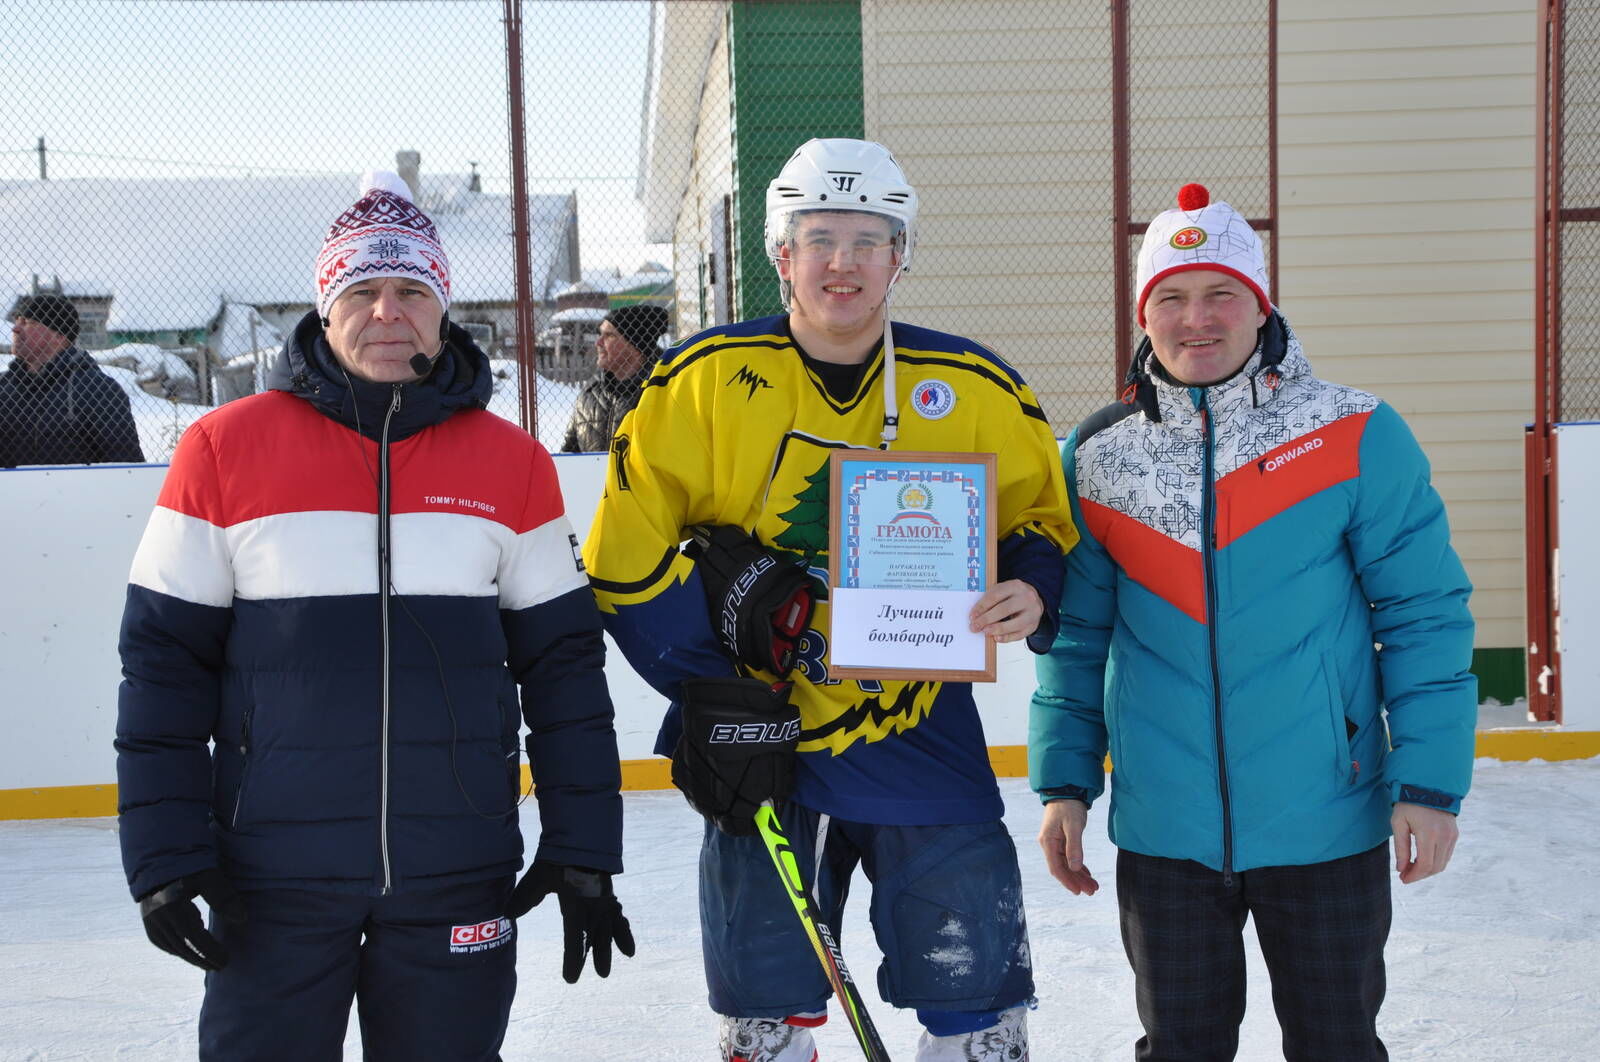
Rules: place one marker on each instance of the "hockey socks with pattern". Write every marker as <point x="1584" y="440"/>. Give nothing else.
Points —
<point x="768" y="1039"/>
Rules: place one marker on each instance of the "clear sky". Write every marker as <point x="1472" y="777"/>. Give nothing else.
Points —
<point x="208" y="88"/>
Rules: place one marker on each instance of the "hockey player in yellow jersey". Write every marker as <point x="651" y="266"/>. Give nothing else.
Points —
<point x="734" y="430"/>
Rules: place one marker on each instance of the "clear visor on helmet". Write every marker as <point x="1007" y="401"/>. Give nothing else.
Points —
<point x="857" y="236"/>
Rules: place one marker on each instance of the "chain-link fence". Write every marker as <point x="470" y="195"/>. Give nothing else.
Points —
<point x="170" y="169"/>
<point x="1578" y="381"/>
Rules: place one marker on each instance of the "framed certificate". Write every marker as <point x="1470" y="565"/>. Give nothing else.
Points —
<point x="911" y="549"/>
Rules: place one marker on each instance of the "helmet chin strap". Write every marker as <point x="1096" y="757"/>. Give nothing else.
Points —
<point x="891" y="412"/>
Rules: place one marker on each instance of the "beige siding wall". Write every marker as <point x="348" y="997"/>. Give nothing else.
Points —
<point x="1406" y="205"/>
<point x="1406" y="189"/>
<point x="711" y="179"/>
<point x="1012" y="161"/>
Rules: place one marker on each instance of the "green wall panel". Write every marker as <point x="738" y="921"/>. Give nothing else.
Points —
<point x="796" y="72"/>
<point x="1502" y="674"/>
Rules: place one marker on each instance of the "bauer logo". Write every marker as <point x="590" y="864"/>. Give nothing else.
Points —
<point x="932" y="399"/>
<point x="754" y="733"/>
<point x="1188" y="239"/>
<point x="480" y="937"/>
<point x="577" y="551"/>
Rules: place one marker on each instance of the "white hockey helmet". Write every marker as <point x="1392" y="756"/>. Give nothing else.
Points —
<point x="841" y="174"/>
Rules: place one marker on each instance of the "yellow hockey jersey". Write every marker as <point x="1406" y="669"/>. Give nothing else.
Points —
<point x="734" y="428"/>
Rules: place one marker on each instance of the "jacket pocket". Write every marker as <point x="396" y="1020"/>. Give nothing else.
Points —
<point x="245" y="755"/>
<point x="510" y="740"/>
<point x="1342" y="729"/>
<point x="1112" y="710"/>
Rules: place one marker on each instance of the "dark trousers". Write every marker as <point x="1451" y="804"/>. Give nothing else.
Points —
<point x="1322" y="929"/>
<point x="432" y="974"/>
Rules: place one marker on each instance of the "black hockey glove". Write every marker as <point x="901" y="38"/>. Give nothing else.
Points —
<point x="737" y="749"/>
<point x="591" y="916"/>
<point x="760" y="600"/>
<point x="172" y="921"/>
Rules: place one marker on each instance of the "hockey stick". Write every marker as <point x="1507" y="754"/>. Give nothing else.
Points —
<point x="828" y="952"/>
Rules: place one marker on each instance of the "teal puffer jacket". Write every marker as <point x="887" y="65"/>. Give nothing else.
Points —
<point x="1264" y="622"/>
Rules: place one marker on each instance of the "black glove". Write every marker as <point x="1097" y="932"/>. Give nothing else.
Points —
<point x="172" y="921"/>
<point x="760" y="600"/>
<point x="737" y="749"/>
<point x="591" y="917"/>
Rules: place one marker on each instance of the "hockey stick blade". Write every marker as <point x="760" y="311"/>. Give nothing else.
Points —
<point x="822" y="938"/>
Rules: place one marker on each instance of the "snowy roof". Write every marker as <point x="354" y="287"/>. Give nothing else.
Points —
<point x="579" y="313"/>
<point x="171" y="250"/>
<point x="612" y="283"/>
<point x="78" y="287"/>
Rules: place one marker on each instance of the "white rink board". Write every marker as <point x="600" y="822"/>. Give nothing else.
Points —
<point x="68" y="535"/>
<point x="1578" y="572"/>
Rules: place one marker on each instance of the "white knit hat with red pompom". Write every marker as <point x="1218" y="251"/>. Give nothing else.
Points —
<point x="1201" y="234"/>
<point x="382" y="234"/>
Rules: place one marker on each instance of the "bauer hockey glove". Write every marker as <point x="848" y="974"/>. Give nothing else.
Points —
<point x="737" y="749"/>
<point x="760" y="600"/>
<point x="591" y="915"/>
<point x="172" y="921"/>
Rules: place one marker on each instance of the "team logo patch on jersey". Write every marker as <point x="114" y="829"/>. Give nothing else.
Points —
<point x="753" y="380"/>
<point x="932" y="399"/>
<point x="494" y="933"/>
<point x="1188" y="239"/>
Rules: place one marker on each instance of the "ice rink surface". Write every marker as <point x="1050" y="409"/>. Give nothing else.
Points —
<point x="1495" y="959"/>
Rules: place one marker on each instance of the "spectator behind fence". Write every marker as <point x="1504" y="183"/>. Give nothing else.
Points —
<point x="57" y="406"/>
<point x="626" y="351"/>
<point x="1249" y="532"/>
<point x="344" y="582"/>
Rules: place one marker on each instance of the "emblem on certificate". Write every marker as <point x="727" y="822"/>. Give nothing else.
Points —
<point x="911" y="549"/>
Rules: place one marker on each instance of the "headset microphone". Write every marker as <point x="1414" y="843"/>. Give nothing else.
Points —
<point x="420" y="363"/>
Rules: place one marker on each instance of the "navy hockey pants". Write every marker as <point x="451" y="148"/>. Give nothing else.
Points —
<point x="432" y="974"/>
<point x="946" y="909"/>
<point x="1322" y="929"/>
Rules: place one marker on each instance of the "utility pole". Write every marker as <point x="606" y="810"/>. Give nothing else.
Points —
<point x="44" y="173"/>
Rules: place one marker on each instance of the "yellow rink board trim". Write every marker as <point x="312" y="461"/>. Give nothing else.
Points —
<point x="1009" y="761"/>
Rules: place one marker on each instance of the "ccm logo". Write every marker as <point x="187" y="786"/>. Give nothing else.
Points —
<point x="754" y="733"/>
<point x="481" y="933"/>
<point x="1289" y="455"/>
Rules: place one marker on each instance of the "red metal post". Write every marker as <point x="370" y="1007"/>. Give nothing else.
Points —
<point x="1543" y="672"/>
<point x="1121" y="190"/>
<point x="528" y="377"/>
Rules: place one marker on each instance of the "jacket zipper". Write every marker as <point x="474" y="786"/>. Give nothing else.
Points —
<point x="1208" y="545"/>
<point x="384" y="568"/>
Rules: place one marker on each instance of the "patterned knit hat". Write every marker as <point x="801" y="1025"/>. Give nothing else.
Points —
<point x="1201" y="234"/>
<point x="384" y="234"/>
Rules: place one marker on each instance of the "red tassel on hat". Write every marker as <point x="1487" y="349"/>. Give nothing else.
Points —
<point x="1193" y="197"/>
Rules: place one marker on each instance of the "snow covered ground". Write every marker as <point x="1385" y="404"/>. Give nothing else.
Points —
<point x="1496" y="959"/>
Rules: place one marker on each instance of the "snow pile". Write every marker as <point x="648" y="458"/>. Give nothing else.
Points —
<point x="157" y="371"/>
